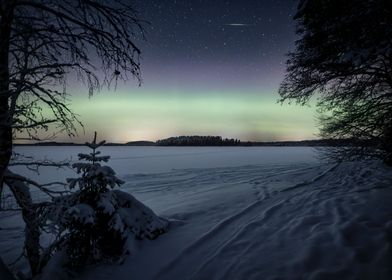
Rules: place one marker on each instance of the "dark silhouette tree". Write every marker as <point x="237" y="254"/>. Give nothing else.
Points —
<point x="344" y="57"/>
<point x="42" y="43"/>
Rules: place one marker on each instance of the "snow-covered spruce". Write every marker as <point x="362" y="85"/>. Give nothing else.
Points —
<point x="96" y="222"/>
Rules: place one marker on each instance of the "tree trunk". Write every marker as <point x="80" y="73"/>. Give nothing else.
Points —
<point x="5" y="138"/>
<point x="6" y="17"/>
<point x="22" y="195"/>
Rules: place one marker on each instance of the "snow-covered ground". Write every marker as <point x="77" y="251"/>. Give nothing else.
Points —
<point x="244" y="213"/>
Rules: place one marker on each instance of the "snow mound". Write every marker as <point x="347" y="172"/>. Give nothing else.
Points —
<point x="140" y="220"/>
<point x="128" y="219"/>
<point x="128" y="215"/>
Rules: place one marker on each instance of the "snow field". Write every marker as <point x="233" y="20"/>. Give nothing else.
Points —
<point x="249" y="213"/>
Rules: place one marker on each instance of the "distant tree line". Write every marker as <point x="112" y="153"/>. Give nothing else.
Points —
<point x="218" y="141"/>
<point x="198" y="141"/>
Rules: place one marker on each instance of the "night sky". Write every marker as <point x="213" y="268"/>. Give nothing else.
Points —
<point x="217" y="45"/>
<point x="208" y="68"/>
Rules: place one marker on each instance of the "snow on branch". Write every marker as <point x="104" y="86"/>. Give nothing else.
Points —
<point x="96" y="223"/>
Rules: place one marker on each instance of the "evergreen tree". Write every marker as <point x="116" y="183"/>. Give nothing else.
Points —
<point x="97" y="223"/>
<point x="93" y="229"/>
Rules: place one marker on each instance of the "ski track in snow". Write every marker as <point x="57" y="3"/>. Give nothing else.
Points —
<point x="315" y="211"/>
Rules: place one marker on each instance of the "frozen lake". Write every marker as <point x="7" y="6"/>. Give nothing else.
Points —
<point x="131" y="160"/>
<point x="141" y="161"/>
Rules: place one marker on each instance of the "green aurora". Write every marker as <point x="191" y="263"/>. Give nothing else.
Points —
<point x="121" y="116"/>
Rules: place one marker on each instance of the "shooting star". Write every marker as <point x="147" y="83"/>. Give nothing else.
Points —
<point x="238" y="24"/>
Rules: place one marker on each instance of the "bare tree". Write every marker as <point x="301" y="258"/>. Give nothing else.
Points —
<point x="344" y="57"/>
<point x="42" y="43"/>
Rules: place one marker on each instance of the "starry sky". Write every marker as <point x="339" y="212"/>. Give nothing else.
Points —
<point x="208" y="68"/>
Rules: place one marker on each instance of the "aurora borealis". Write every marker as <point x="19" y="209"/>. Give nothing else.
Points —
<point x="208" y="68"/>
